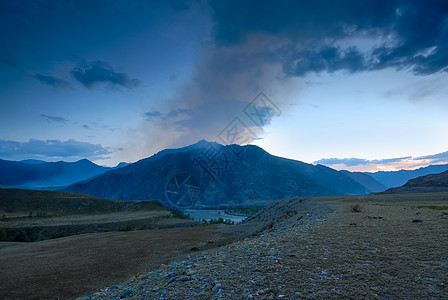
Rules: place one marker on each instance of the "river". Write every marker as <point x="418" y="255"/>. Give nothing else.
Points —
<point x="199" y="214"/>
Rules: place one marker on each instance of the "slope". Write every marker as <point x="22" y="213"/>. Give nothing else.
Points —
<point x="46" y="174"/>
<point x="425" y="184"/>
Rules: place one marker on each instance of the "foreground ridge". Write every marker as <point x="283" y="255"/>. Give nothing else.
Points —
<point x="318" y="249"/>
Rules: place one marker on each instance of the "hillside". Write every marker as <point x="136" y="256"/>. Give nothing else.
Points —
<point x="49" y="202"/>
<point x="392" y="179"/>
<point x="302" y="248"/>
<point x="425" y="184"/>
<point x="365" y="180"/>
<point x="212" y="175"/>
<point x="34" y="174"/>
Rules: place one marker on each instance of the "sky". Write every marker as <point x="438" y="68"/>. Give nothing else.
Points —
<point x="356" y="85"/>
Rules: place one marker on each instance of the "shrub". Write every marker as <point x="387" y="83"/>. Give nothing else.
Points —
<point x="21" y="236"/>
<point x="3" y="235"/>
<point x="356" y="208"/>
<point x="180" y="214"/>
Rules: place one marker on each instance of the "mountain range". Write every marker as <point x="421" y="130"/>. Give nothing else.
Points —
<point x="392" y="179"/>
<point x="37" y="174"/>
<point x="203" y="175"/>
<point x="206" y="175"/>
<point x="432" y="183"/>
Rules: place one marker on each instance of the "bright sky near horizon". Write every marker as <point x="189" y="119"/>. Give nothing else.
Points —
<point x="357" y="85"/>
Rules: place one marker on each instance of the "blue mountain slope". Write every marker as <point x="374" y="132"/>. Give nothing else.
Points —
<point x="398" y="178"/>
<point x="371" y="184"/>
<point x="46" y="174"/>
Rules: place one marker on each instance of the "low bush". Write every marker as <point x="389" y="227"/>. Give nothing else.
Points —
<point x="356" y="208"/>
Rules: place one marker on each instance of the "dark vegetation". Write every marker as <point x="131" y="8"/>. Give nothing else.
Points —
<point x="356" y="208"/>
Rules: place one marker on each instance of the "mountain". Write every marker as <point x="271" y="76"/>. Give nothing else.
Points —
<point x="365" y="180"/>
<point x="424" y="184"/>
<point x="44" y="175"/>
<point x="32" y="161"/>
<point x="209" y="175"/>
<point x="398" y="178"/>
<point x="121" y="165"/>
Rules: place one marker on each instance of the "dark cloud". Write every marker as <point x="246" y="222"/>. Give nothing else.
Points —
<point x="90" y="74"/>
<point x="52" y="149"/>
<point x="314" y="36"/>
<point x="54" y="118"/>
<point x="51" y="80"/>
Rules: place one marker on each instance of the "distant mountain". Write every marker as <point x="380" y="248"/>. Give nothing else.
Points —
<point x="212" y="175"/>
<point x="34" y="174"/>
<point x="121" y="165"/>
<point x="33" y="161"/>
<point x="365" y="180"/>
<point x="425" y="184"/>
<point x="398" y="178"/>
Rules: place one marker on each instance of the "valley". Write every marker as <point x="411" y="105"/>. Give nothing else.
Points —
<point x="318" y="247"/>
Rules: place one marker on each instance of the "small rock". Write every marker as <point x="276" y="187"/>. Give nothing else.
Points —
<point x="114" y="287"/>
<point x="194" y="249"/>
<point x="217" y="288"/>
<point x="417" y="213"/>
<point x="127" y="293"/>
<point x="417" y="221"/>
<point x="210" y="241"/>
<point x="186" y="278"/>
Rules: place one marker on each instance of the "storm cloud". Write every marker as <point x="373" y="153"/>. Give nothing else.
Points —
<point x="258" y="45"/>
<point x="347" y="35"/>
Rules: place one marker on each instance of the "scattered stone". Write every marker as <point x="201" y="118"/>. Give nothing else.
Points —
<point x="194" y="249"/>
<point x="127" y="293"/>
<point x="417" y="213"/>
<point x="417" y="221"/>
<point x="186" y="278"/>
<point x="217" y="288"/>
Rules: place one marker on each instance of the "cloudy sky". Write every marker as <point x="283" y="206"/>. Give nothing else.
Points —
<point x="360" y="85"/>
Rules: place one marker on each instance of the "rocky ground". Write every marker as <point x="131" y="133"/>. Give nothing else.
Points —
<point x="375" y="247"/>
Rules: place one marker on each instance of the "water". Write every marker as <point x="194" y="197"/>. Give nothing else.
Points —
<point x="199" y="214"/>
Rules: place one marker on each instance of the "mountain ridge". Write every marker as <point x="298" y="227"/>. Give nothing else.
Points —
<point x="432" y="183"/>
<point x="214" y="175"/>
